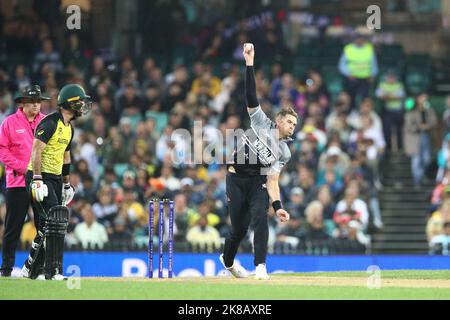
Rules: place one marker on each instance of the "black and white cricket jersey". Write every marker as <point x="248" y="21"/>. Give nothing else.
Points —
<point x="258" y="150"/>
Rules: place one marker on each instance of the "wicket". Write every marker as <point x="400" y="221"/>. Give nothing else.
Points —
<point x="161" y="203"/>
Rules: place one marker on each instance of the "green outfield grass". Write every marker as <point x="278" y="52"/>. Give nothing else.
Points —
<point x="329" y="285"/>
<point x="387" y="274"/>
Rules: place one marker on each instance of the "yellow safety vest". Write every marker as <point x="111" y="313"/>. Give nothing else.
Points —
<point x="391" y="88"/>
<point x="359" y="60"/>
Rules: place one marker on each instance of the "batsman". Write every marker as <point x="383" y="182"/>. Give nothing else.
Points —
<point x="47" y="180"/>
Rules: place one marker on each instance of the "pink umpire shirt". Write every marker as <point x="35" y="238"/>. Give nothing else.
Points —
<point x="16" y="143"/>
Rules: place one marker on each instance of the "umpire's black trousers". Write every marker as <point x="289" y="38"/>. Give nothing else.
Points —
<point x="248" y="202"/>
<point x="17" y="204"/>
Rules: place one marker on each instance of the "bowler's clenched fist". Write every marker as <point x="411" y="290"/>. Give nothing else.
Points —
<point x="249" y="53"/>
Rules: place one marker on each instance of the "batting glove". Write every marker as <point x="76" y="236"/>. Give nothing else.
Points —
<point x="39" y="189"/>
<point x="68" y="192"/>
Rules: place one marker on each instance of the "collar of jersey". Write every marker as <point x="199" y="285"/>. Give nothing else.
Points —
<point x="62" y="118"/>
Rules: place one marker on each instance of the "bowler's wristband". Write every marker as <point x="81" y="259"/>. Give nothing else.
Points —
<point x="66" y="169"/>
<point x="276" y="205"/>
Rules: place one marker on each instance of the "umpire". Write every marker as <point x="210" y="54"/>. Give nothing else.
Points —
<point x="48" y="181"/>
<point x="253" y="176"/>
<point x="16" y="140"/>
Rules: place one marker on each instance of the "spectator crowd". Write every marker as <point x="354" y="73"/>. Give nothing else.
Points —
<point x="122" y="149"/>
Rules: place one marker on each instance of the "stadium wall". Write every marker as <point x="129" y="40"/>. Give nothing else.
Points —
<point x="134" y="264"/>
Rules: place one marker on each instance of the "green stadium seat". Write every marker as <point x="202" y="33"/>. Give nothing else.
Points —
<point x="301" y="66"/>
<point x="161" y="120"/>
<point x="335" y="86"/>
<point x="309" y="41"/>
<point x="100" y="171"/>
<point x="299" y="70"/>
<point x="441" y="71"/>
<point x="135" y="119"/>
<point x="333" y="79"/>
<point x="391" y="55"/>
<point x="417" y="81"/>
<point x="120" y="168"/>
<point x="378" y="105"/>
<point x="438" y="104"/>
<point x="419" y="7"/>
<point x="332" y="50"/>
<point x="330" y="71"/>
<point x="329" y="61"/>
<point x="394" y="51"/>
<point x="421" y="62"/>
<point x="395" y="67"/>
<point x="287" y="63"/>
<point x="308" y="51"/>
<point x="333" y="41"/>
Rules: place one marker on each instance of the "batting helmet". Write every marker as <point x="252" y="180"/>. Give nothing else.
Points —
<point x="73" y="97"/>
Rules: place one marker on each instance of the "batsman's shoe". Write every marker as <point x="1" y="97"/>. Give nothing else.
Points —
<point x="261" y="272"/>
<point x="236" y="270"/>
<point x="41" y="277"/>
<point x="25" y="273"/>
<point x="58" y="277"/>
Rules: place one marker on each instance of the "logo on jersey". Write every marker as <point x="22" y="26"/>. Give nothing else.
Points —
<point x="40" y="132"/>
<point x="265" y="155"/>
<point x="20" y="131"/>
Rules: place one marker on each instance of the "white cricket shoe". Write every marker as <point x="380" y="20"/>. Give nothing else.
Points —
<point x="261" y="272"/>
<point x="41" y="277"/>
<point x="25" y="273"/>
<point x="58" y="277"/>
<point x="236" y="270"/>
